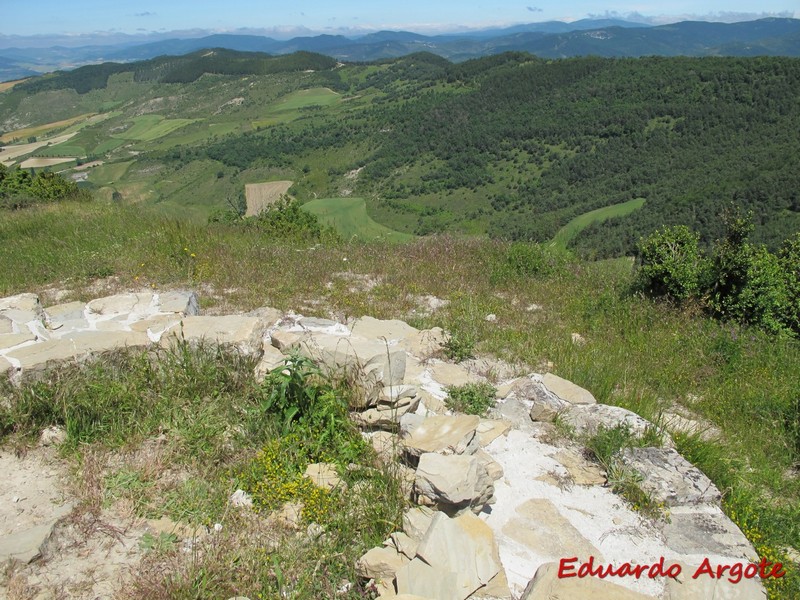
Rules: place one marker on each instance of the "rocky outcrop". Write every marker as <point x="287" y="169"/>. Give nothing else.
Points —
<point x="500" y="501"/>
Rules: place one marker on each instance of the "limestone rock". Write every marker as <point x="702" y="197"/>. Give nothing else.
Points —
<point x="286" y="341"/>
<point x="386" y="445"/>
<point x="392" y="331"/>
<point x="181" y="303"/>
<point x="5" y="367"/>
<point x="121" y="304"/>
<point x="684" y="587"/>
<point x="405" y="544"/>
<point x="463" y="546"/>
<point x="9" y="340"/>
<point x="376" y="364"/>
<point x="21" y="302"/>
<point x="588" y="419"/>
<point x="670" y="478"/>
<point x="456" y="480"/>
<point x="491" y="429"/>
<point x="61" y="313"/>
<point x="445" y="435"/>
<point x="546" y="405"/>
<point x="385" y="417"/>
<point x="380" y="563"/>
<point x="52" y="436"/>
<point x="449" y="374"/>
<point x="323" y="475"/>
<point x="567" y="391"/>
<point x="580" y="470"/>
<point x="417" y="578"/>
<point x="703" y="529"/>
<point x="270" y="360"/>
<point x="27" y="545"/>
<point x="546" y="585"/>
<point x="425" y="343"/>
<point x="156" y="325"/>
<point x="416" y="521"/>
<point x="493" y="468"/>
<point x="243" y="333"/>
<point x="76" y="345"/>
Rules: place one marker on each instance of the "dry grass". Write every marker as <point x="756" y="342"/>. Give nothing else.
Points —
<point x="261" y="195"/>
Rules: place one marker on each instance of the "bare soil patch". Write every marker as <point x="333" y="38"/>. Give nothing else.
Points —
<point x="36" y="163"/>
<point x="261" y="195"/>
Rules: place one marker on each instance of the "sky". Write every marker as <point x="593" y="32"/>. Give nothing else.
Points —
<point x="72" y="17"/>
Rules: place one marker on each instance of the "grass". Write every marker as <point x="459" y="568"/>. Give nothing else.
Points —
<point x="639" y="354"/>
<point x="39" y="130"/>
<point x="349" y="217"/>
<point x="147" y="128"/>
<point x="290" y="106"/>
<point x="571" y="230"/>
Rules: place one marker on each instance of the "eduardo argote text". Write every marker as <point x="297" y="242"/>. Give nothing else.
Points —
<point x="734" y="572"/>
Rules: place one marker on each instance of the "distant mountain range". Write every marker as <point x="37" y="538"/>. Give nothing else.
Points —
<point x="553" y="39"/>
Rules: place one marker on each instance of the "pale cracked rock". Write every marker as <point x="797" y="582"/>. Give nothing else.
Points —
<point x="75" y="345"/>
<point x="385" y="416"/>
<point x="416" y="521"/>
<point x="380" y="563"/>
<point x="703" y="529"/>
<point x="546" y="585"/>
<point x="243" y="333"/>
<point x="27" y="545"/>
<point x="445" y="435"/>
<point x="182" y="303"/>
<point x="392" y="331"/>
<point x="670" y="478"/>
<point x="567" y="391"/>
<point x="21" y="302"/>
<point x="286" y="341"/>
<point x="122" y="304"/>
<point x="60" y="313"/>
<point x="455" y="479"/>
<point x="685" y="587"/>
<point x="420" y="579"/>
<point x="449" y="374"/>
<point x="5" y="366"/>
<point x="588" y="419"/>
<point x="376" y="364"/>
<point x="6" y="325"/>
<point x="491" y="429"/>
<point x="270" y="360"/>
<point x="425" y="343"/>
<point x="463" y="546"/>
<point x="323" y="475"/>
<point x="9" y="340"/>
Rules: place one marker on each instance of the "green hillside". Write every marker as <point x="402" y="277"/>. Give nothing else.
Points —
<point x="348" y="216"/>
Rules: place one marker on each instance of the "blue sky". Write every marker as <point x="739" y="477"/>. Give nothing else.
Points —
<point x="20" y="17"/>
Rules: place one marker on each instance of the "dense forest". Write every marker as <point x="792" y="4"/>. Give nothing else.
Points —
<point x="686" y="134"/>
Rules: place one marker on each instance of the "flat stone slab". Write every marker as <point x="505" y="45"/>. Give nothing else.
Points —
<point x="445" y="435"/>
<point x="5" y="366"/>
<point x="588" y="419"/>
<point x="6" y="325"/>
<point x="449" y="374"/>
<point x="9" y="340"/>
<point x="540" y="526"/>
<point x="122" y="304"/>
<point x="464" y="546"/>
<point x="182" y="303"/>
<point x="76" y="345"/>
<point x="382" y="364"/>
<point x="69" y="311"/>
<point x="580" y="470"/>
<point x="419" y="579"/>
<point x="670" y="478"/>
<point x="26" y="546"/>
<point x="451" y="479"/>
<point x="244" y="333"/>
<point x="491" y="429"/>
<point x="286" y="341"/>
<point x="380" y="563"/>
<point x="546" y="585"/>
<point x="704" y="530"/>
<point x="567" y="391"/>
<point x="393" y="331"/>
<point x="23" y="302"/>
<point x="425" y="343"/>
<point x="270" y="360"/>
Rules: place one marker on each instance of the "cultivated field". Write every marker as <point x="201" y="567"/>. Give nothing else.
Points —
<point x="9" y="154"/>
<point x="289" y="107"/>
<point x="569" y="231"/>
<point x="261" y="195"/>
<point x="147" y="128"/>
<point x="349" y="217"/>
<point x="7" y="85"/>
<point x="38" y="163"/>
<point x="24" y="134"/>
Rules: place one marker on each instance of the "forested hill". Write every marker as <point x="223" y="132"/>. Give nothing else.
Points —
<point x="510" y="145"/>
<point x="518" y="146"/>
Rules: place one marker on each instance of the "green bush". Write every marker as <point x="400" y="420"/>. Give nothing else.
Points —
<point x="471" y="398"/>
<point x="523" y="260"/>
<point x="286" y="219"/>
<point x="671" y="263"/>
<point x="460" y="345"/>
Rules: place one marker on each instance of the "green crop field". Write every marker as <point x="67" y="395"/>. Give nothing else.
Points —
<point x="109" y="173"/>
<point x="147" y="128"/>
<point x="349" y="217"/>
<point x="65" y="149"/>
<point x="289" y="107"/>
<point x="569" y="231"/>
<point x="195" y="135"/>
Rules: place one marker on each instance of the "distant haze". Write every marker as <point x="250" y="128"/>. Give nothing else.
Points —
<point x="85" y="22"/>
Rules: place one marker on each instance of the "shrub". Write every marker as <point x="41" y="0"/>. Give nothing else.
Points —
<point x="671" y="263"/>
<point x="286" y="219"/>
<point x="471" y="398"/>
<point x="524" y="260"/>
<point x="460" y="345"/>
